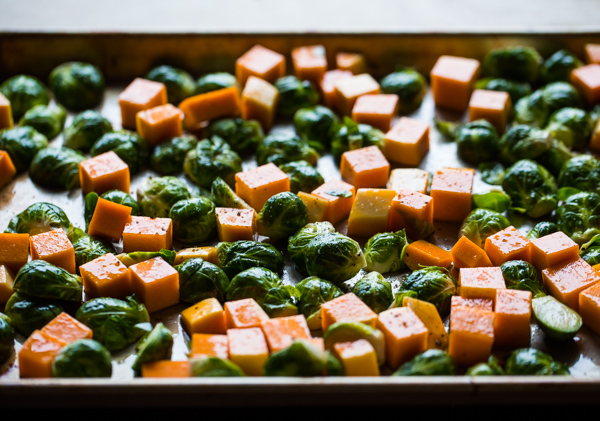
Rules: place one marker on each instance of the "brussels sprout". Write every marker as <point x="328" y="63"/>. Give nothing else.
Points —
<point x="210" y="159"/>
<point x="7" y="338"/>
<point x="48" y="121"/>
<point x="41" y="279"/>
<point x="89" y="248"/>
<point x="82" y="358"/>
<point x="199" y="280"/>
<point x="295" y="94"/>
<point x="129" y="259"/>
<point x="236" y="257"/>
<point x="492" y="173"/>
<point x="301" y="359"/>
<point x="22" y="143"/>
<point x="523" y="142"/>
<point x="560" y="95"/>
<point x="384" y="251"/>
<point x="214" y="81"/>
<point x="531" y="362"/>
<point x="24" y="92"/>
<point x="489" y="368"/>
<point x="78" y="86"/>
<point x="495" y="200"/>
<point x="374" y="291"/>
<point x="334" y="366"/>
<point x="194" y="220"/>
<point x="312" y="292"/>
<point x="432" y="284"/>
<point x="348" y="331"/>
<point x="581" y="172"/>
<point x="168" y="157"/>
<point x="130" y="147"/>
<point x="433" y="362"/>
<point x="282" y="215"/>
<point x="409" y="85"/>
<point x="556" y="319"/>
<point x="298" y="242"/>
<point x="154" y="346"/>
<point x="37" y="218"/>
<point x="476" y="141"/>
<point x="157" y="194"/>
<point x="87" y="127"/>
<point x="542" y="229"/>
<point x="316" y="124"/>
<point x="180" y="84"/>
<point x="519" y="274"/>
<point x="590" y="252"/>
<point x="531" y="188"/>
<point x="555" y="157"/>
<point x="56" y="168"/>
<point x="516" y="90"/>
<point x="279" y="148"/>
<point x="352" y="136"/>
<point x="242" y="135"/>
<point x="516" y="63"/>
<point x="579" y="216"/>
<point x="303" y="176"/>
<point x="214" y="367"/>
<point x="482" y="223"/>
<point x="558" y="67"/>
<point x="223" y="196"/>
<point x="532" y="110"/>
<point x="572" y="126"/>
<point x="115" y="323"/>
<point x="30" y="313"/>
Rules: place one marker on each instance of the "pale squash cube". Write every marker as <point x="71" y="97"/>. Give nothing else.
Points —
<point x="587" y="80"/>
<point x="104" y="172"/>
<point x="414" y="179"/>
<point x="106" y="276"/>
<point x="199" y="109"/>
<point x="327" y="86"/>
<point x="370" y="212"/>
<point x="259" y="102"/>
<point x="493" y="106"/>
<point x="452" y="81"/>
<point x="437" y="336"/>
<point x="6" y="119"/>
<point x="592" y="53"/>
<point x="566" y="280"/>
<point x="155" y="283"/>
<point x="236" y="224"/>
<point x="159" y="123"/>
<point x="244" y="313"/>
<point x="349" y="308"/>
<point x="423" y="253"/>
<point x="358" y="358"/>
<point x="317" y="206"/>
<point x="513" y="318"/>
<point x="281" y="332"/>
<point x="260" y="62"/>
<point x="257" y="185"/>
<point x="67" y="329"/>
<point x="37" y="354"/>
<point x="6" y="284"/>
<point x="53" y="247"/>
<point x="552" y="249"/>
<point x="480" y="282"/>
<point x="338" y="207"/>
<point x="365" y="167"/>
<point x="140" y="95"/>
<point x="508" y="244"/>
<point x="166" y="369"/>
<point x="407" y="142"/>
<point x="589" y="307"/>
<point x="405" y="335"/>
<point x="207" y="316"/>
<point x="353" y="62"/>
<point x="248" y="349"/>
<point x="376" y="110"/>
<point x="471" y="335"/>
<point x="451" y="190"/>
<point x="7" y="168"/>
<point x="209" y="345"/>
<point x="349" y="89"/>
<point x="414" y="212"/>
<point x="14" y="251"/>
<point x="142" y="233"/>
<point x="206" y="253"/>
<point x="310" y="63"/>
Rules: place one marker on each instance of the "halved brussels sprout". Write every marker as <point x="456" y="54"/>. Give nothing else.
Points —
<point x="82" y="358"/>
<point x="579" y="216"/>
<point x="22" y="143"/>
<point x="516" y="63"/>
<point x="516" y="90"/>
<point x="199" y="280"/>
<point x="157" y="194"/>
<point x="129" y="146"/>
<point x="282" y="215"/>
<point x="409" y="85"/>
<point x="180" y="84"/>
<point x="432" y="284"/>
<point x="236" y="257"/>
<point x="519" y="274"/>
<point x="352" y="136"/>
<point x="87" y="127"/>
<point x="279" y="148"/>
<point x="348" y="331"/>
<point x="303" y="176"/>
<point x="37" y="218"/>
<point x="214" y="367"/>
<point x="300" y="359"/>
<point x="433" y="362"/>
<point x="168" y="157"/>
<point x="531" y="362"/>
<point x="482" y="223"/>
<point x="316" y="124"/>
<point x="56" y="168"/>
<point x="374" y="291"/>
<point x="242" y="135"/>
<point x="223" y="196"/>
<point x="558" y="67"/>
<point x="214" y="81"/>
<point x="76" y="85"/>
<point x="30" y="313"/>
<point x="129" y="259"/>
<point x="194" y="220"/>
<point x="523" y="142"/>
<point x="531" y="188"/>
<point x="24" y="92"/>
<point x="7" y="338"/>
<point x="295" y="94"/>
<point x="384" y="251"/>
<point x="542" y="229"/>
<point x="48" y="121"/>
<point x="312" y="292"/>
<point x="41" y="279"/>
<point x="572" y="126"/>
<point x="210" y="159"/>
<point x="156" y="345"/>
<point x="581" y="172"/>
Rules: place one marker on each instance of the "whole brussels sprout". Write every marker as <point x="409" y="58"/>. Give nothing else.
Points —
<point x="238" y="256"/>
<point x="476" y="141"/>
<point x="242" y="135"/>
<point x="87" y="127"/>
<point x="531" y="362"/>
<point x="223" y="196"/>
<point x="517" y="63"/>
<point x="303" y="176"/>
<point x="24" y="92"/>
<point x="579" y="216"/>
<point x="301" y="359"/>
<point x="155" y="346"/>
<point x="180" y="84"/>
<point x="48" y="121"/>
<point x="384" y="251"/>
<point x="157" y="194"/>
<point x="167" y="157"/>
<point x="129" y="259"/>
<point x="555" y="157"/>
<point x="352" y="136"/>
<point x="76" y="85"/>
<point x="214" y="81"/>
<point x="130" y="147"/>
<point x="558" y="67"/>
<point x="531" y="188"/>
<point x="572" y="126"/>
<point x="279" y="148"/>
<point x="532" y="110"/>
<point x="30" y="313"/>
<point x="37" y="218"/>
<point x="581" y="172"/>
<point x="482" y="223"/>
<point x="516" y="90"/>
<point x="542" y="229"/>
<point x="56" y="168"/>
<point x="433" y="362"/>
<point x="374" y="291"/>
<point x="214" y="367"/>
<point x="316" y="124"/>
<point x="41" y="279"/>
<point x="82" y="358"/>
<point x="519" y="274"/>
<point x="432" y="284"/>
<point x="7" y="338"/>
<point x="298" y="242"/>
<point x="282" y="215"/>
<point x="523" y="142"/>
<point x="89" y="248"/>
<point x="199" y="280"/>
<point x="210" y="159"/>
<point x="312" y="292"/>
<point x="489" y="368"/>
<point x="409" y="85"/>
<point x="194" y="220"/>
<point x="295" y="94"/>
<point x="22" y="143"/>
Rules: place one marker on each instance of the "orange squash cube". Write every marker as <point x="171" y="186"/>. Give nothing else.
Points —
<point x="156" y="284"/>
<point x="53" y="247"/>
<point x="338" y="208"/>
<point x="422" y="253"/>
<point x="207" y="316"/>
<point x="370" y="212"/>
<point x="109" y="219"/>
<point x="347" y="307"/>
<point x="486" y="304"/>
<point x="236" y="224"/>
<point x="6" y="119"/>
<point x="376" y="110"/>
<point x="365" y="167"/>
<point x="480" y="282"/>
<point x="451" y="190"/>
<point x="358" y="358"/>
<point x="589" y="307"/>
<point x="37" y="354"/>
<point x="248" y="349"/>
<point x="244" y="314"/>
<point x="260" y="62"/>
<point x="6" y="284"/>
<point x="508" y="244"/>
<point x="166" y="369"/>
<point x="310" y="63"/>
<point x="353" y="62"/>
<point x="566" y="280"/>
<point x="159" y="123"/>
<point x="592" y="53"/>
<point x="7" y="168"/>
<point x="209" y="345"/>
<point x="493" y="106"/>
<point x="282" y="331"/>
<point x="140" y="95"/>
<point x="407" y="142"/>
<point x="142" y="233"/>
<point x="317" y="206"/>
<point x="67" y="329"/>
<point x="452" y="80"/>
<point x="349" y="89"/>
<point x="471" y="335"/>
<point x="14" y="251"/>
<point x="327" y="86"/>
<point x="414" y="179"/>
<point x="198" y="109"/>
<point x="467" y="254"/>
<point x="206" y="253"/>
<point x="106" y="276"/>
<point x="513" y="317"/>
<point x="587" y="80"/>
<point x="552" y="249"/>
<point x="257" y="185"/>
<point x="103" y="173"/>
<point x="259" y="102"/>
<point x="414" y="212"/>
<point x="405" y="335"/>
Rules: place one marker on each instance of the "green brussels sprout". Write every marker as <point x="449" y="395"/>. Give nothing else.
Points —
<point x="523" y="142"/>
<point x="482" y="223"/>
<point x="516" y="90"/>
<point x="558" y="67"/>
<point x="489" y="368"/>
<point x="581" y="172"/>
<point x="56" y="168"/>
<point x="298" y="242"/>
<point x="167" y="157"/>
<point x="495" y="200"/>
<point x="532" y="110"/>
<point x="312" y="292"/>
<point x="560" y="95"/>
<point x="129" y="146"/>
<point x="557" y="320"/>
<point x="492" y="172"/>
<point x="180" y="84"/>
<point x="531" y="362"/>
<point x="38" y="218"/>
<point x="214" y="367"/>
<point x="572" y="126"/>
<point x="519" y="274"/>
<point x="279" y="148"/>
<point x="115" y="196"/>
<point x="48" y="121"/>
<point x="7" y="338"/>
<point x="275" y="298"/>
<point x="242" y="135"/>
<point x="303" y="176"/>
<point x="432" y="284"/>
<point x="374" y="291"/>
<point x="115" y="323"/>
<point x="199" y="280"/>
<point x="281" y="216"/>
<point x="531" y="188"/>
<point x="555" y="157"/>
<point x="238" y="256"/>
<point x="351" y="136"/>
<point x="157" y="194"/>
<point x="476" y="141"/>
<point x="210" y="159"/>
<point x="542" y="229"/>
<point x="384" y="251"/>
<point x="129" y="259"/>
<point x="41" y="279"/>
<point x="433" y="362"/>
<point x="30" y="313"/>
<point x="517" y="63"/>
<point x="579" y="216"/>
<point x="300" y="359"/>
<point x="316" y="124"/>
<point x="194" y="220"/>
<point x="409" y="85"/>
<point x="350" y="331"/>
<point x="89" y="248"/>
<point x="295" y="94"/>
<point x="223" y="196"/>
<point x="154" y="346"/>
<point x="334" y="366"/>
<point x="590" y="251"/>
<point x="76" y="85"/>
<point x="87" y="127"/>
<point x="24" y="92"/>
<point x="22" y="143"/>
<point x="214" y="81"/>
<point x="82" y="358"/>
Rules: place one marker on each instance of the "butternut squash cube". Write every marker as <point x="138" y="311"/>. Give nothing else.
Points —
<point x="429" y="315"/>
<point x="106" y="276"/>
<point x="553" y="249"/>
<point x="53" y="247"/>
<point x="207" y="316"/>
<point x="508" y="244"/>
<point x="14" y="251"/>
<point x="209" y="345"/>
<point x="6" y="284"/>
<point x="471" y="335"/>
<point x="358" y="358"/>
<point x="156" y="284"/>
<point x="347" y="307"/>
<point x="407" y="142"/>
<point x="370" y="212"/>
<point x="422" y="253"/>
<point x="414" y="212"/>
<point x="467" y="254"/>
<point x="353" y="62"/>
<point x="281" y="332"/>
<point x="159" y="123"/>
<point x="587" y="80"/>
<point x="452" y="80"/>
<point x="109" y="219"/>
<point x="451" y="190"/>
<point x="480" y="282"/>
<point x="6" y="119"/>
<point x="365" y="167"/>
<point x="338" y="207"/>
<point x="257" y="185"/>
<point x="376" y="110"/>
<point x="589" y="307"/>
<point x="349" y="89"/>
<point x="206" y="253"/>
<point x="248" y="349"/>
<point x="103" y="173"/>
<point x="566" y="280"/>
<point x="244" y="314"/>
<point x="414" y="179"/>
<point x="236" y="224"/>
<point x="317" y="206"/>
<point x="260" y="62"/>
<point x="209" y="106"/>
<point x="140" y="95"/>
<point x="327" y="86"/>
<point x="166" y="369"/>
<point x="310" y="63"/>
<point x="493" y="106"/>
<point x="259" y="102"/>
<point x="592" y="53"/>
<point x="513" y="317"/>
<point x="405" y="335"/>
<point x="474" y="303"/>
<point x="7" y="168"/>
<point x="37" y="354"/>
<point x="67" y="329"/>
<point x="142" y="233"/>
